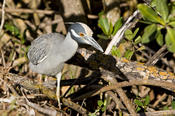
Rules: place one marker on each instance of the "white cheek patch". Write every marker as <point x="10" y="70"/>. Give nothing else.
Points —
<point x="74" y="33"/>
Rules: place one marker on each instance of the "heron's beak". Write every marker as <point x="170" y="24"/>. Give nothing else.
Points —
<point x="91" y="41"/>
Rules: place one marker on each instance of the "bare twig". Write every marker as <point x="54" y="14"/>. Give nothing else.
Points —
<point x="30" y="11"/>
<point x="165" y="85"/>
<point x="75" y="106"/>
<point x="117" y="101"/>
<point x="3" y="59"/>
<point x="156" y="56"/>
<point x="90" y="16"/>
<point x="3" y="16"/>
<point x="123" y="96"/>
<point x="159" y="99"/>
<point x="162" y="84"/>
<point x="158" y="113"/>
<point x="7" y="100"/>
<point x="39" y="108"/>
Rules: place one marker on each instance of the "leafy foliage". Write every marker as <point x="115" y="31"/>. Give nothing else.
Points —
<point x="142" y="103"/>
<point x="108" y="29"/>
<point x="148" y="32"/>
<point x="12" y="29"/>
<point x="162" y="8"/>
<point x="101" y="107"/>
<point x="115" y="51"/>
<point x="170" y="39"/>
<point x="133" y="39"/>
<point x="158" y="19"/>
<point x="149" y="14"/>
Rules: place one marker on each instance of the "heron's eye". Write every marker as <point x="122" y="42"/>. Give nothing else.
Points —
<point x="81" y="34"/>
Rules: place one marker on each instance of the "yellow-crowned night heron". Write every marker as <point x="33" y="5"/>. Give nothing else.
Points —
<point x="48" y="52"/>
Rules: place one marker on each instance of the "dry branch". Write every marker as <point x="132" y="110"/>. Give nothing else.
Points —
<point x="27" y="83"/>
<point x="48" y="12"/>
<point x="3" y="16"/>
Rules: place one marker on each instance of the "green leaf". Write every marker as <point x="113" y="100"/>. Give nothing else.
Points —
<point x="138" y="102"/>
<point x="115" y="51"/>
<point x="159" y="38"/>
<point x="110" y="29"/>
<point x="103" y="24"/>
<point x="146" y="22"/>
<point x="138" y="40"/>
<point x="165" y="108"/>
<point x="135" y="32"/>
<point x="102" y="36"/>
<point x="138" y="109"/>
<point x="23" y="36"/>
<point x="149" y="14"/>
<point x="129" y="34"/>
<point x="105" y="102"/>
<point x="173" y="105"/>
<point x="103" y="109"/>
<point x="141" y="48"/>
<point x="172" y="24"/>
<point x="162" y="8"/>
<point x="153" y="3"/>
<point x="128" y="54"/>
<point x="117" y="25"/>
<point x="148" y="32"/>
<point x="100" y="103"/>
<point x="170" y="39"/>
<point x="171" y="16"/>
<point x="12" y="29"/>
<point x="147" y="100"/>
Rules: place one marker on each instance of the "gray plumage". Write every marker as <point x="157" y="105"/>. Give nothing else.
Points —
<point x="48" y="52"/>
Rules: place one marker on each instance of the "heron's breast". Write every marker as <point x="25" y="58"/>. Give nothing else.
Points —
<point x="47" y="68"/>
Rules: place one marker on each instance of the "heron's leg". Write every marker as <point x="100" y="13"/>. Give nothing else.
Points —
<point x="58" y="76"/>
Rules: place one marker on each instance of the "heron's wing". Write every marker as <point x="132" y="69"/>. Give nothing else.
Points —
<point x="39" y="49"/>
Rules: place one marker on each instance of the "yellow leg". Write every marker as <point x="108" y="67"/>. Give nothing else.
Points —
<point x="58" y="76"/>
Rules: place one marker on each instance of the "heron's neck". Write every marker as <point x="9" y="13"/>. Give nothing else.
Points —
<point x="68" y="36"/>
<point x="70" y="43"/>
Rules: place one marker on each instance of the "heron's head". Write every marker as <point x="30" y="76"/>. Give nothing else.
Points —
<point x="83" y="34"/>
